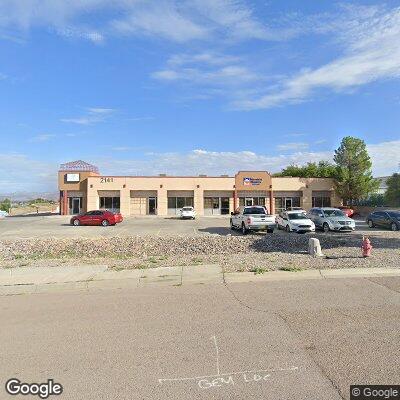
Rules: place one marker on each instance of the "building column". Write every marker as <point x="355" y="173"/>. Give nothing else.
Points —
<point x="199" y="200"/>
<point x="306" y="199"/>
<point x="125" y="201"/>
<point x="64" y="203"/>
<point x="271" y="202"/>
<point x="235" y="202"/>
<point x="162" y="201"/>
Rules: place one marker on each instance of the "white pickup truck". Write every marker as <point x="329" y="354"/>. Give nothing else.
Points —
<point x="252" y="218"/>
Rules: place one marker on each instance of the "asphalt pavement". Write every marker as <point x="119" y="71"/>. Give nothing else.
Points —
<point x="57" y="226"/>
<point x="306" y="339"/>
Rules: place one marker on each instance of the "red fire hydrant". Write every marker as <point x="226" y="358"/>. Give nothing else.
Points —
<point x="366" y="247"/>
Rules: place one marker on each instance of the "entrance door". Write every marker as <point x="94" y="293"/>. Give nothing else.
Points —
<point x="76" y="205"/>
<point x="248" y="201"/>
<point x="152" y="205"/>
<point x="215" y="205"/>
<point x="224" y="205"/>
<point x="288" y="203"/>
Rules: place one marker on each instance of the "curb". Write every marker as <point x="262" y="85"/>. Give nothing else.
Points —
<point x="175" y="276"/>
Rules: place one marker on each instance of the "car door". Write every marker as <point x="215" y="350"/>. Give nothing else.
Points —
<point x="97" y="217"/>
<point x="379" y="218"/>
<point x="386" y="220"/>
<point x="85" y="219"/>
<point x="318" y="217"/>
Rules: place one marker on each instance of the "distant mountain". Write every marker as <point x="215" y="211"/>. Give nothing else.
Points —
<point x="25" y="196"/>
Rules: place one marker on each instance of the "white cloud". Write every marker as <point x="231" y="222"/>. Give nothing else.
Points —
<point x="294" y="146"/>
<point x="44" y="137"/>
<point x="21" y="173"/>
<point x="372" y="53"/>
<point x="93" y="115"/>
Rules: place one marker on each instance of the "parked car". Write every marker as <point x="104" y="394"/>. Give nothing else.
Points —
<point x="294" y="221"/>
<point x="347" y="210"/>
<point x="385" y="219"/>
<point x="252" y="218"/>
<point x="96" y="217"/>
<point x="188" y="212"/>
<point x="295" y="209"/>
<point x="331" y="219"/>
<point x="3" y="214"/>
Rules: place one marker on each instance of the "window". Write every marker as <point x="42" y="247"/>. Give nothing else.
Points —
<point x="110" y="203"/>
<point x="177" y="203"/>
<point x="253" y="210"/>
<point x="321" y="201"/>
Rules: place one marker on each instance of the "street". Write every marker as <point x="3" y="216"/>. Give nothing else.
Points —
<point x="304" y="339"/>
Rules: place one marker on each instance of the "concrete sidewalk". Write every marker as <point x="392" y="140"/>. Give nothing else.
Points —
<point x="41" y="279"/>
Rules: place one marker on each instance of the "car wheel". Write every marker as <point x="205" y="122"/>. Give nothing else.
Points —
<point x="371" y="223"/>
<point x="105" y="222"/>
<point x="394" y="227"/>
<point x="244" y="229"/>
<point x="270" y="231"/>
<point x="76" y="222"/>
<point x="287" y="228"/>
<point x="232" y="226"/>
<point x="325" y="227"/>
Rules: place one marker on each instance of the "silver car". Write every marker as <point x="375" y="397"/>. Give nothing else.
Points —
<point x="331" y="219"/>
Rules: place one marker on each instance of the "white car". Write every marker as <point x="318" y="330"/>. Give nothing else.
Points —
<point x="3" y="214"/>
<point x="295" y="221"/>
<point x="188" y="212"/>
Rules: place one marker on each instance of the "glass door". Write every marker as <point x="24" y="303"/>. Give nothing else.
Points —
<point x="288" y="203"/>
<point x="216" y="209"/>
<point x="152" y="210"/>
<point x="76" y="205"/>
<point x="224" y="205"/>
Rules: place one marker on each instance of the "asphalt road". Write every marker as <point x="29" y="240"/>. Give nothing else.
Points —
<point x="58" y="226"/>
<point x="274" y="340"/>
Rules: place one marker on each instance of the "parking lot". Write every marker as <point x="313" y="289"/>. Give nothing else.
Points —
<point x="59" y="227"/>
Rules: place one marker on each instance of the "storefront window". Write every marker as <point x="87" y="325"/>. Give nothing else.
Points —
<point x="110" y="203"/>
<point x="321" y="202"/>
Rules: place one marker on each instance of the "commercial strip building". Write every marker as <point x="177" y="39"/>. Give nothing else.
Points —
<point x="83" y="188"/>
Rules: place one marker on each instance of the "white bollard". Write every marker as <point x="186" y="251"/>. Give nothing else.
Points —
<point x="314" y="248"/>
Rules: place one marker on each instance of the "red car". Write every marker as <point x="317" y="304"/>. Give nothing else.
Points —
<point x="347" y="210"/>
<point x="96" y="217"/>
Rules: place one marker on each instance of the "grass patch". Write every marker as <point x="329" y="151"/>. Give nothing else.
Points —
<point x="259" y="270"/>
<point x="152" y="260"/>
<point x="291" y="269"/>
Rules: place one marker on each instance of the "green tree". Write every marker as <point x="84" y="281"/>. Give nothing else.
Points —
<point x="5" y="205"/>
<point x="354" y="179"/>
<point x="392" y="195"/>
<point x="322" y="169"/>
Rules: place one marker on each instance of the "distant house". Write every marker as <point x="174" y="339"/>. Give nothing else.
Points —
<point x="382" y="184"/>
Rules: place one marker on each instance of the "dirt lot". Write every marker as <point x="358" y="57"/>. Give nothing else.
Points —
<point x="152" y="242"/>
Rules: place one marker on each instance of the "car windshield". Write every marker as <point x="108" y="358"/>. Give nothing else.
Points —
<point x="187" y="209"/>
<point x="254" y="210"/>
<point x="334" y="213"/>
<point x="298" y="215"/>
<point x="394" y="214"/>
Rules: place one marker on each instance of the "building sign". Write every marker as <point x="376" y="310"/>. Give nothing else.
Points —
<point x="252" y="181"/>
<point x="72" y="178"/>
<point x="105" y="179"/>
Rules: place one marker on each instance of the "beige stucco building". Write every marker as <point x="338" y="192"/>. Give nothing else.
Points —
<point x="83" y="188"/>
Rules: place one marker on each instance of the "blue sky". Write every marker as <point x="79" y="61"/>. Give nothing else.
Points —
<point x="194" y="86"/>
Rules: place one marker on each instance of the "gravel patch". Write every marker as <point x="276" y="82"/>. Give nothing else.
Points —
<point x="233" y="252"/>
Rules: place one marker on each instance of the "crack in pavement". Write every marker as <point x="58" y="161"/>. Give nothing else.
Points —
<point x="295" y="333"/>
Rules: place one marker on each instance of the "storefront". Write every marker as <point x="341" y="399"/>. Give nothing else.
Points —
<point x="82" y="188"/>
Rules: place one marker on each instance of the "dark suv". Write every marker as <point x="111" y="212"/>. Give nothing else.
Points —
<point x="385" y="219"/>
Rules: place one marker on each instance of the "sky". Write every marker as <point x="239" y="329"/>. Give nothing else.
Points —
<point x="188" y="87"/>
